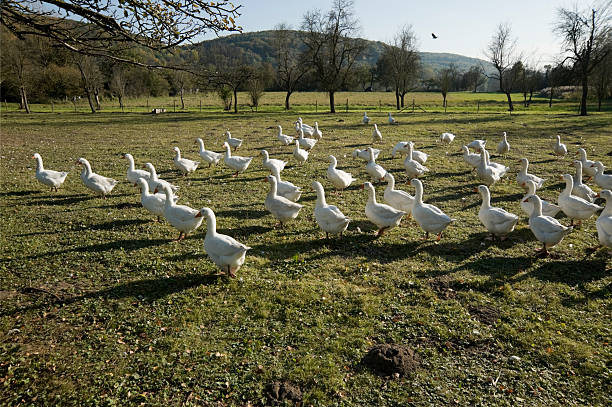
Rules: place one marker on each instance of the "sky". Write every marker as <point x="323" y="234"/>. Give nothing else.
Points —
<point x="462" y="26"/>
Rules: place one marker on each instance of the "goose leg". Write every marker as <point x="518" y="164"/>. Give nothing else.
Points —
<point x="235" y="175"/>
<point x="439" y="237"/>
<point x="381" y="231"/>
<point x="231" y="272"/>
<point x="426" y="236"/>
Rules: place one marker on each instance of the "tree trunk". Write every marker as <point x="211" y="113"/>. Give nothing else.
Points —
<point x="287" y="99"/>
<point x="599" y="103"/>
<point x="402" y="99"/>
<point x="444" y="100"/>
<point x="182" y="100"/>
<point x="90" y="100"/>
<point x="235" y="100"/>
<point x="524" y="99"/>
<point x="332" y="104"/>
<point x="397" y="98"/>
<point x="21" y="101"/>
<point x="550" y="96"/>
<point x="120" y="101"/>
<point x="510" y="105"/>
<point x="530" y="96"/>
<point x="24" y="98"/>
<point x="97" y="98"/>
<point x="585" y="90"/>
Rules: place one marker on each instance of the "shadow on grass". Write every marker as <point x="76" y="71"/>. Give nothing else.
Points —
<point x="242" y="213"/>
<point x="68" y="200"/>
<point x="18" y="193"/>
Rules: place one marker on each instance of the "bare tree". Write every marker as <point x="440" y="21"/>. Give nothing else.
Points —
<point x="180" y="80"/>
<point x="17" y="62"/>
<point x="601" y="80"/>
<point x="474" y="78"/>
<point x="255" y="87"/>
<point x="91" y="79"/>
<point x="118" y="83"/>
<point x="501" y="51"/>
<point x="291" y="63"/>
<point x="586" y="41"/>
<point x="331" y="46"/>
<point x="445" y="80"/>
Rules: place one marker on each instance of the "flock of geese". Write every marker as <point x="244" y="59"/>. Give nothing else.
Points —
<point x="576" y="201"/>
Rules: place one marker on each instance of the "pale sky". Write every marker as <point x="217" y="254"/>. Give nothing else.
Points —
<point x="462" y="26"/>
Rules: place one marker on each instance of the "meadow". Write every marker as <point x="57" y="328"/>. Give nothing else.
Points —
<point x="99" y="306"/>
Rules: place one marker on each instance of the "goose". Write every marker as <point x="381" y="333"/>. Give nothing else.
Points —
<point x="99" y="184"/>
<point x="300" y="155"/>
<point x="470" y="158"/>
<point x="548" y="209"/>
<point x="559" y="149"/>
<point x="402" y="148"/>
<point x="329" y="218"/>
<point x="50" y="178"/>
<point x="182" y="217"/>
<point x="376" y="135"/>
<point x="500" y="168"/>
<point x="366" y="119"/>
<point x="580" y="189"/>
<point x="503" y="147"/>
<point x="477" y="145"/>
<point x="184" y="165"/>
<point x="400" y="200"/>
<point x="317" y="134"/>
<point x="365" y="154"/>
<point x="306" y="143"/>
<point x="154" y="203"/>
<point x="546" y="229"/>
<point x="602" y="179"/>
<point x="339" y="179"/>
<point x="235" y="143"/>
<point x="485" y="172"/>
<point x="587" y="165"/>
<point x="383" y="216"/>
<point x="523" y="176"/>
<point x="413" y="168"/>
<point x="132" y="173"/>
<point x="235" y="162"/>
<point x="573" y="206"/>
<point x="270" y="163"/>
<point x="374" y="170"/>
<point x="286" y="188"/>
<point x="497" y="221"/>
<point x="429" y="217"/>
<point x="225" y="251"/>
<point x="283" y="138"/>
<point x="300" y="126"/>
<point x="391" y="119"/>
<point x="604" y="221"/>
<point x="447" y="138"/>
<point x="209" y="157"/>
<point x="280" y="207"/>
<point x="154" y="180"/>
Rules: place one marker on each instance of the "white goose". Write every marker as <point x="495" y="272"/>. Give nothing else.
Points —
<point x="329" y="218"/>
<point x="280" y="207"/>
<point x="604" y="221"/>
<point x="429" y="217"/>
<point x="50" y="178"/>
<point x="209" y="157"/>
<point x="485" y="172"/>
<point x="548" y="209"/>
<point x="300" y="155"/>
<point x="500" y="168"/>
<point x="398" y="199"/>
<point x="587" y="165"/>
<point x="283" y="138"/>
<point x="184" y="165"/>
<point x="233" y="142"/>
<point x="306" y="143"/>
<point x="402" y="148"/>
<point x="573" y="206"/>
<point x="154" y="180"/>
<point x="391" y="119"/>
<point x="225" y="251"/>
<point x="365" y="154"/>
<point x="235" y="162"/>
<point x="559" y="149"/>
<point x="286" y="188"/>
<point x="602" y="179"/>
<point x="97" y="183"/>
<point x="181" y="217"/>
<point x="300" y="126"/>
<point x="374" y="170"/>
<point x="271" y="163"/>
<point x="383" y="216"/>
<point x="546" y="229"/>
<point x="413" y="168"/>
<point x="376" y="135"/>
<point x="473" y="160"/>
<point x="447" y="138"/>
<point x="581" y="189"/>
<point x="154" y="203"/>
<point x="317" y="134"/>
<point x="477" y="145"/>
<point x="523" y="176"/>
<point x="339" y="179"/>
<point x="366" y="119"/>
<point x="503" y="147"/>
<point x="497" y="221"/>
<point x="132" y="173"/>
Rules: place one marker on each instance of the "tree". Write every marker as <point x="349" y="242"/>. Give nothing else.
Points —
<point x="474" y="78"/>
<point x="118" y="83"/>
<point x="104" y="28"/>
<point x="445" y="80"/>
<point x="330" y="45"/>
<point x="601" y="80"/>
<point x="179" y="81"/>
<point x="255" y="88"/>
<point x="291" y="63"/>
<point x="585" y="35"/>
<point x="91" y="79"/>
<point x="501" y="51"/>
<point x="18" y="63"/>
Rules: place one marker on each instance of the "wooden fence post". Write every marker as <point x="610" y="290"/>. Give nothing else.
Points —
<point x="147" y="103"/>
<point x="200" y="105"/>
<point x="379" y="106"/>
<point x="412" y="105"/>
<point x="316" y="106"/>
<point x="478" y="107"/>
<point x="174" y="102"/>
<point x="52" y="107"/>
<point x="346" y="105"/>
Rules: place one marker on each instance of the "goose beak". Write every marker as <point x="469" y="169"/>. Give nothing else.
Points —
<point x="475" y="189"/>
<point x="526" y="199"/>
<point x="198" y="215"/>
<point x="561" y="178"/>
<point x="362" y="186"/>
<point x="597" y="195"/>
<point x="33" y="157"/>
<point x="155" y="191"/>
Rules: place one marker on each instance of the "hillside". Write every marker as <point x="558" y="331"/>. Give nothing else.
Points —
<point x="258" y="47"/>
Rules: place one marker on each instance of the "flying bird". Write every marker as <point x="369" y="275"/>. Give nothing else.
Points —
<point x="434" y="36"/>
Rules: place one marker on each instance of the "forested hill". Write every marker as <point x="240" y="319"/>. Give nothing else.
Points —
<point x="259" y="47"/>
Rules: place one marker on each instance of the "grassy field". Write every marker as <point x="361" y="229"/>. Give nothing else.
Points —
<point x="98" y="306"/>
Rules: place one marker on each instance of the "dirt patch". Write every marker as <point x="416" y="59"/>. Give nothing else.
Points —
<point x="484" y="313"/>
<point x="279" y="392"/>
<point x="444" y="287"/>
<point x="390" y="359"/>
<point x="128" y="205"/>
<point x="7" y="294"/>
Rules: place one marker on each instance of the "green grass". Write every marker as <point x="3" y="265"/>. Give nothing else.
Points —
<point x="127" y="316"/>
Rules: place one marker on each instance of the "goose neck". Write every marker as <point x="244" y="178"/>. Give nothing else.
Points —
<point x="201" y="145"/>
<point x="39" y="164"/>
<point x="486" y="198"/>
<point x="569" y="185"/>
<point x="211" y="224"/>
<point x="418" y="193"/>
<point x="178" y="154"/>
<point x="537" y="207"/>
<point x="320" y="196"/>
